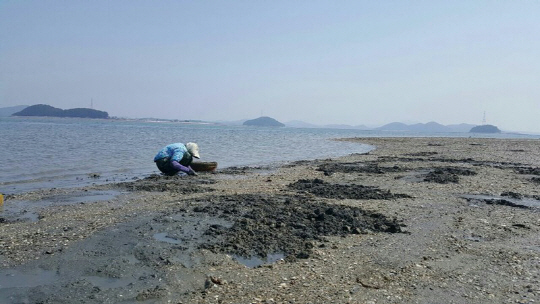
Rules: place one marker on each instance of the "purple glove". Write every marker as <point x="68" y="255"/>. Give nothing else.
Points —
<point x="178" y="167"/>
<point x="191" y="172"/>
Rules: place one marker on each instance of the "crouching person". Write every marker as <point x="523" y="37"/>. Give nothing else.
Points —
<point x="176" y="158"/>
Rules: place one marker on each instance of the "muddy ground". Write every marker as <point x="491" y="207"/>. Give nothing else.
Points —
<point x="418" y="220"/>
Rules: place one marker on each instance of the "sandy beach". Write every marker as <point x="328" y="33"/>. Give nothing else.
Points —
<point x="416" y="220"/>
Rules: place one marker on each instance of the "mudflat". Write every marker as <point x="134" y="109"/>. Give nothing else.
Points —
<point x="416" y="220"/>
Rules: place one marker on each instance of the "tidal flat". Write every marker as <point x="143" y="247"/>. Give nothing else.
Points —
<point x="416" y="220"/>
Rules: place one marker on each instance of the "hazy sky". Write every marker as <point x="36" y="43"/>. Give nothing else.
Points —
<point x="352" y="62"/>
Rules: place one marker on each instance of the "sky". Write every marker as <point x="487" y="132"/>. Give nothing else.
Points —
<point x="324" y="62"/>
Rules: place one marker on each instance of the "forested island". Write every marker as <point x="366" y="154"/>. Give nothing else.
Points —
<point x="263" y="122"/>
<point x="46" y="110"/>
<point x="485" y="129"/>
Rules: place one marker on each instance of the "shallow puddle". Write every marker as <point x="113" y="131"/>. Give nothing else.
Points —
<point x="524" y="202"/>
<point x="24" y="210"/>
<point x="254" y="261"/>
<point x="12" y="278"/>
<point x="474" y="238"/>
<point x="534" y="248"/>
<point x="416" y="176"/>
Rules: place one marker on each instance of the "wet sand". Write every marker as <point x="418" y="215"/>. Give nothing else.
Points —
<point x="417" y="220"/>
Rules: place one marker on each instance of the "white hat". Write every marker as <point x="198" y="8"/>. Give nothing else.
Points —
<point x="193" y="149"/>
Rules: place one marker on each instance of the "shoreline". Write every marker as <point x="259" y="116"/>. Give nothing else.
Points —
<point x="362" y="228"/>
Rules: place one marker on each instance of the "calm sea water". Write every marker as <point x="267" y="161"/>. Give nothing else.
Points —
<point x="61" y="152"/>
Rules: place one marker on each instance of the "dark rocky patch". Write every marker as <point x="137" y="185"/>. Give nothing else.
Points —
<point x="343" y="191"/>
<point x="471" y="161"/>
<point x="446" y="175"/>
<point x="242" y="170"/>
<point x="511" y="199"/>
<point x="536" y="180"/>
<point x="300" y="163"/>
<point x="503" y="202"/>
<point x="161" y="183"/>
<point x="312" y="162"/>
<point x="453" y="160"/>
<point x="424" y="159"/>
<point x="284" y="224"/>
<point x="441" y="177"/>
<point x="511" y="194"/>
<point x="443" y="160"/>
<point x="422" y="153"/>
<point x="528" y="170"/>
<point x="357" y="167"/>
<point x="401" y="159"/>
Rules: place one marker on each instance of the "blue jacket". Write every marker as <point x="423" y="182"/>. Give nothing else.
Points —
<point x="173" y="151"/>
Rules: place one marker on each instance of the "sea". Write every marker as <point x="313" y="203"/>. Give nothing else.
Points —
<point x="39" y="153"/>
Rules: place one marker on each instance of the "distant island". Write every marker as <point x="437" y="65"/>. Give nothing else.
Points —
<point x="430" y="127"/>
<point x="49" y="111"/>
<point x="263" y="122"/>
<point x="8" y="111"/>
<point x="485" y="129"/>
